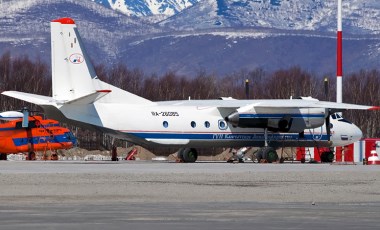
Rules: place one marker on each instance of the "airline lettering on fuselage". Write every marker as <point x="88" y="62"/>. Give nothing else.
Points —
<point x="165" y="114"/>
<point x="253" y="137"/>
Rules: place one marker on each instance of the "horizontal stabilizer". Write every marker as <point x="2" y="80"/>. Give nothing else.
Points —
<point x="90" y="98"/>
<point x="32" y="98"/>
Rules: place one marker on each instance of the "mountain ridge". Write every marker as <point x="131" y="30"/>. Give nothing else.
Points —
<point x="187" y="47"/>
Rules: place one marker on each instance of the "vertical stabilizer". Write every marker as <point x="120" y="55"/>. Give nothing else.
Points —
<point x="72" y="71"/>
<point x="73" y="76"/>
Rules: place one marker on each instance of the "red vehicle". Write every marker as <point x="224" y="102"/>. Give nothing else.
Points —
<point x="38" y="134"/>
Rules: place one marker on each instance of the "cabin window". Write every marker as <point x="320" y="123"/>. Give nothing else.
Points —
<point x="207" y="124"/>
<point x="193" y="124"/>
<point x="165" y="124"/>
<point x="222" y="124"/>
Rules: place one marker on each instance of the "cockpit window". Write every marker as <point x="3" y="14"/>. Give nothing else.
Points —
<point x="340" y="118"/>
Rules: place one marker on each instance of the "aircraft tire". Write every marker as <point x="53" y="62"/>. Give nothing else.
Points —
<point x="270" y="154"/>
<point x="327" y="157"/>
<point x="3" y="156"/>
<point x="323" y="157"/>
<point x="180" y="155"/>
<point x="189" y="155"/>
<point x="259" y="155"/>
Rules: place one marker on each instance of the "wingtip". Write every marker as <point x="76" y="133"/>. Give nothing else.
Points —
<point x="374" y="108"/>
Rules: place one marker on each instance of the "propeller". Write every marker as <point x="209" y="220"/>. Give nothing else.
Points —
<point x="328" y="124"/>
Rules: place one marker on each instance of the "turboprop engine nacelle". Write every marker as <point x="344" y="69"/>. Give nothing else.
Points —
<point x="287" y="120"/>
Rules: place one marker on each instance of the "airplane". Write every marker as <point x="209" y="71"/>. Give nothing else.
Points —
<point x="81" y="98"/>
<point x="23" y="133"/>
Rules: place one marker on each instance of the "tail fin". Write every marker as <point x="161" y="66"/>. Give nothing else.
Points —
<point x="73" y="75"/>
<point x="71" y="69"/>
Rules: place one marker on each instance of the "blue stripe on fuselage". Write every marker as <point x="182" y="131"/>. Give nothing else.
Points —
<point x="230" y="136"/>
<point x="279" y="116"/>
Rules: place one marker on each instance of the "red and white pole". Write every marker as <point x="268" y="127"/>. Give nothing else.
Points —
<point x="339" y="55"/>
<point x="339" y="71"/>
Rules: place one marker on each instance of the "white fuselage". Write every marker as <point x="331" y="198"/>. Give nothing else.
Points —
<point x="182" y="124"/>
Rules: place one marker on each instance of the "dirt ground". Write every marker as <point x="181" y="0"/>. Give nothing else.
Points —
<point x="143" y="154"/>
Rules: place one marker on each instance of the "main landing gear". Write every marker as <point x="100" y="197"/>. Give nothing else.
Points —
<point x="187" y="155"/>
<point x="327" y="156"/>
<point x="266" y="154"/>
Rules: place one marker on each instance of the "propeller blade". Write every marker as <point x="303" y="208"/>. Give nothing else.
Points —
<point x="328" y="125"/>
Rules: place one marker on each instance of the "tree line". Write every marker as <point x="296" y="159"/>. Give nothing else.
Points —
<point x="23" y="74"/>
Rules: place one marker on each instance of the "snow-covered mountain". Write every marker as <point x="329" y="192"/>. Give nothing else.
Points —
<point x="360" y="16"/>
<point x="148" y="7"/>
<point x="219" y="36"/>
<point x="25" y="27"/>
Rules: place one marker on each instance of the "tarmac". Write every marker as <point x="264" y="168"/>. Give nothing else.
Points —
<point x="206" y="195"/>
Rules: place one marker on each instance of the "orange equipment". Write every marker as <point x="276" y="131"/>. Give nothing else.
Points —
<point x="38" y="135"/>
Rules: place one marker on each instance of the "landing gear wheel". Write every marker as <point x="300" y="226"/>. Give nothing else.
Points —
<point x="3" y="157"/>
<point x="189" y="155"/>
<point x="259" y="155"/>
<point x="270" y="154"/>
<point x="180" y="155"/>
<point x="327" y="156"/>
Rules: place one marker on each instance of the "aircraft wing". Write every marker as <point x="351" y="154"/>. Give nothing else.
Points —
<point x="296" y="103"/>
<point x="240" y="105"/>
<point x="337" y="107"/>
<point x="312" y="104"/>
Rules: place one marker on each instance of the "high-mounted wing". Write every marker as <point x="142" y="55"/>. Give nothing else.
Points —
<point x="288" y="115"/>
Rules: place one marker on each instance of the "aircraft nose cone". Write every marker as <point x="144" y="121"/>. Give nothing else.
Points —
<point x="345" y="133"/>
<point x="356" y="134"/>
